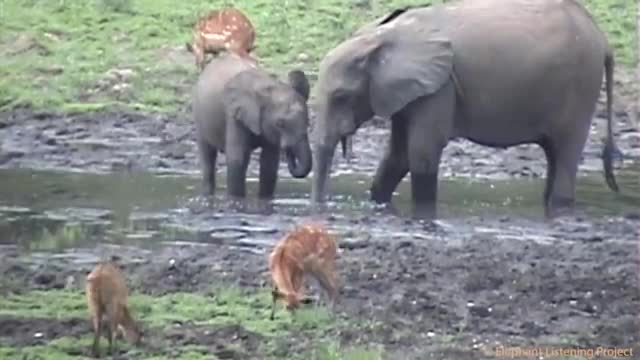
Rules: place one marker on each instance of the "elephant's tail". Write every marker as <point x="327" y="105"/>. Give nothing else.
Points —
<point x="609" y="147"/>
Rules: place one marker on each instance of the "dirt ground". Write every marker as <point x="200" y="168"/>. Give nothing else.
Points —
<point x="455" y="289"/>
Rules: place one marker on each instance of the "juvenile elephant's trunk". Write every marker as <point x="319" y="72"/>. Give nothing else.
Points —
<point x="344" y="143"/>
<point x="299" y="158"/>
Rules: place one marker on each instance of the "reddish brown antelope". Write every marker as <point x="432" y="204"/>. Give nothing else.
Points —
<point x="106" y="293"/>
<point x="219" y="30"/>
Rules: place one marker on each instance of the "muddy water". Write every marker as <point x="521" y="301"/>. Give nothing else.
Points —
<point x="43" y="211"/>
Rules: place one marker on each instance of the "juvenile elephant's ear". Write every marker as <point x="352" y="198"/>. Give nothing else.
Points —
<point x="241" y="103"/>
<point x="299" y="82"/>
<point x="404" y="69"/>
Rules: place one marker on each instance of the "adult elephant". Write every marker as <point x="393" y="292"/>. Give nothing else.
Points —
<point x="497" y="72"/>
<point x="238" y="107"/>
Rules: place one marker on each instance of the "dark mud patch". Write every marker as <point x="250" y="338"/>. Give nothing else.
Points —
<point x="224" y="341"/>
<point x="423" y="290"/>
<point x="126" y="141"/>
<point x="19" y="332"/>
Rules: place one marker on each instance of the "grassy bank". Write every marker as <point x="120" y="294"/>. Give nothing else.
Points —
<point x="222" y="320"/>
<point x="87" y="55"/>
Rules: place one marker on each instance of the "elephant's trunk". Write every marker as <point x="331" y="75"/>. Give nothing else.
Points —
<point x="343" y="143"/>
<point x="299" y="158"/>
<point x="323" y="157"/>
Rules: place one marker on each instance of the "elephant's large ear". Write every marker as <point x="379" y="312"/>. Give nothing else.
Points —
<point x="404" y="69"/>
<point x="242" y="103"/>
<point x="299" y="82"/>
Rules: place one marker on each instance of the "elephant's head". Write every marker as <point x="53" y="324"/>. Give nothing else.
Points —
<point x="274" y="110"/>
<point x="377" y="72"/>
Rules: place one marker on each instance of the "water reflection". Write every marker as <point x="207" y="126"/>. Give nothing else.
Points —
<point x="42" y="210"/>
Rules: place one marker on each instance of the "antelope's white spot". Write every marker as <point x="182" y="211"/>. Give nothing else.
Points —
<point x="213" y="36"/>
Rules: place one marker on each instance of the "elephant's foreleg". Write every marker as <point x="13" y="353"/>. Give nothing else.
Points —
<point x="394" y="165"/>
<point x="429" y="126"/>
<point x="269" y="161"/>
<point x="208" y="157"/>
<point x="237" y="154"/>
<point x="424" y="183"/>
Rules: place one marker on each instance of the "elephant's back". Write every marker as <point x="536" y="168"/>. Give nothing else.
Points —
<point x="219" y="71"/>
<point x="526" y="53"/>
<point x="543" y="28"/>
<point x="208" y="107"/>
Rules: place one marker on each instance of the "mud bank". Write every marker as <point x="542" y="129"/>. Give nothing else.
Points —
<point x="119" y="141"/>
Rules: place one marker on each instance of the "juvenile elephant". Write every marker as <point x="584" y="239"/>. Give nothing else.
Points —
<point x="497" y="72"/>
<point x="238" y="107"/>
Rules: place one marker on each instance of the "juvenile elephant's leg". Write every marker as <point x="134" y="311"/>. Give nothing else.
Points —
<point x="208" y="157"/>
<point x="237" y="153"/>
<point x="349" y="150"/>
<point x="269" y="161"/>
<point x="430" y="122"/>
<point x="394" y="164"/>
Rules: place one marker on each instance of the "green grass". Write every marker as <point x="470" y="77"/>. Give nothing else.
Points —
<point x="221" y="306"/>
<point x="36" y="352"/>
<point x="56" y="304"/>
<point x="89" y="55"/>
<point x="332" y="351"/>
<point x="618" y="19"/>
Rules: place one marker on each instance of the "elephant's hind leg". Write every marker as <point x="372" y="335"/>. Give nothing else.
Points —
<point x="549" y="152"/>
<point x="394" y="165"/>
<point x="208" y="157"/>
<point x="269" y="161"/>
<point x="563" y="155"/>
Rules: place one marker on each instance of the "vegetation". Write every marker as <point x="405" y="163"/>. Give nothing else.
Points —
<point x="89" y="55"/>
<point x="218" y="308"/>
